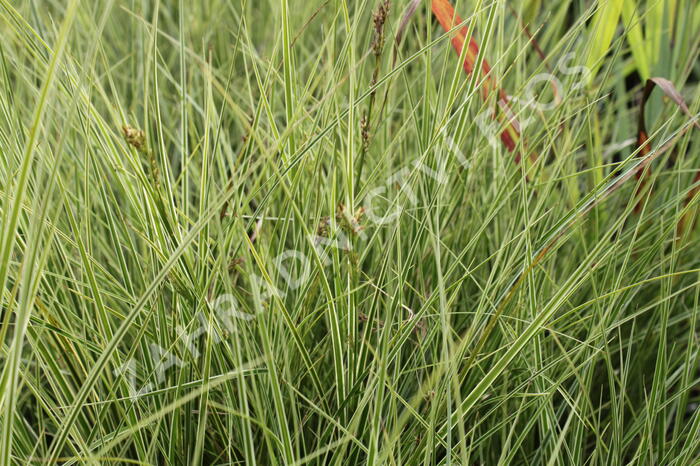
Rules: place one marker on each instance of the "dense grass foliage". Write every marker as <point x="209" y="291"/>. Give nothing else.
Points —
<point x="295" y="232"/>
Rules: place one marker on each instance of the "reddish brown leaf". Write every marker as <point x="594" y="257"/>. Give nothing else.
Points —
<point x="643" y="137"/>
<point x="448" y="19"/>
<point x="405" y="18"/>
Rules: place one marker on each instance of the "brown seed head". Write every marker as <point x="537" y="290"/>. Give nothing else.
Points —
<point x="364" y="131"/>
<point x="136" y="138"/>
<point x="379" y="19"/>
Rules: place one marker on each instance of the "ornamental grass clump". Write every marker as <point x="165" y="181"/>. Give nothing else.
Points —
<point x="331" y="232"/>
